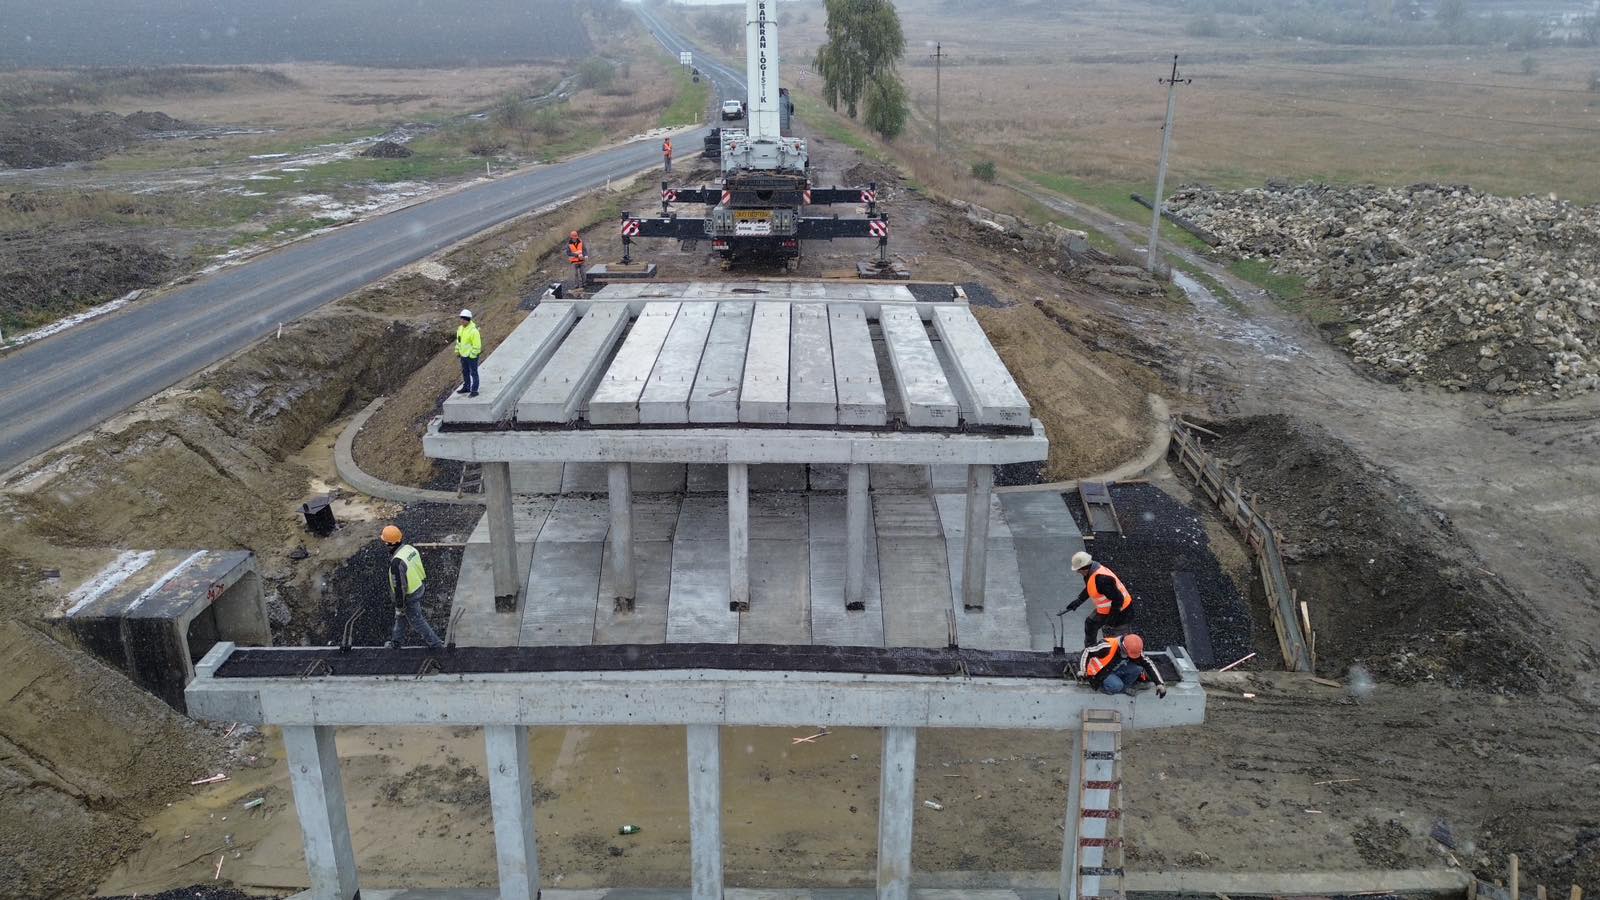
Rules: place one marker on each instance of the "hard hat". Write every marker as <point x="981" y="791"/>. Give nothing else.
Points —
<point x="1133" y="645"/>
<point x="392" y="535"/>
<point x="1080" y="561"/>
<point x="465" y="314"/>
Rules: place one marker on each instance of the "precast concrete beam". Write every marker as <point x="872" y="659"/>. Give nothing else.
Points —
<point x="502" y="534"/>
<point x="705" y="812"/>
<point x="721" y="446"/>
<point x="511" y="801"/>
<point x="980" y="484"/>
<point x="897" y="807"/>
<point x="678" y="697"/>
<point x="319" y="802"/>
<point x="738" y="537"/>
<point x="857" y="532"/>
<point x="619" y="497"/>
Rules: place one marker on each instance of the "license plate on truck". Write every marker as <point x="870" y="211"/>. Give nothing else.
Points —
<point x="749" y="222"/>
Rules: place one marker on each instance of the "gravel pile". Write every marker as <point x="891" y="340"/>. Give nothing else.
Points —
<point x="1457" y="287"/>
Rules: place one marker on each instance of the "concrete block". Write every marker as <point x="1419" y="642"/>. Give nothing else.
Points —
<point x="699" y="610"/>
<point x="827" y="476"/>
<point x="915" y="590"/>
<point x="615" y="400"/>
<point x="563" y="587"/>
<point x="764" y="391"/>
<point x="503" y="374"/>
<point x="666" y="396"/>
<point x="857" y="380"/>
<point x="995" y="395"/>
<point x="715" y="396"/>
<point x="925" y="393"/>
<point x="564" y="383"/>
<point x="778" y="477"/>
<point x="812" y="398"/>
<point x="780" y="593"/>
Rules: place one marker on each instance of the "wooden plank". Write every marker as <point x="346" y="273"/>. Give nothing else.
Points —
<point x="813" y="399"/>
<point x="715" y="395"/>
<point x="1192" y="614"/>
<point x="615" y="400"/>
<point x="505" y="372"/>
<point x="666" y="395"/>
<point x="855" y="366"/>
<point x="764" y="392"/>
<point x="996" y="399"/>
<point x="561" y="387"/>
<point x="925" y="392"/>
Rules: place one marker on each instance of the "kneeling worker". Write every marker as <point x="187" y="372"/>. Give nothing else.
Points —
<point x="407" y="582"/>
<point x="1116" y="664"/>
<point x="1113" y="603"/>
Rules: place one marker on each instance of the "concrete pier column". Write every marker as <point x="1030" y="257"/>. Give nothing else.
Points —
<point x="511" y="800"/>
<point x="705" y="812"/>
<point x="738" y="537"/>
<point x="858" y="509"/>
<point x="319" y="802"/>
<point x="897" y="806"/>
<point x="980" y="484"/>
<point x="619" y="481"/>
<point x="502" y="534"/>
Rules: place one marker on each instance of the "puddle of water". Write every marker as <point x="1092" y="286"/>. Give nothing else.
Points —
<point x="1216" y="319"/>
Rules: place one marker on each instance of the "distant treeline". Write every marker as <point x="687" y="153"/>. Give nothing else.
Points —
<point x="359" y="32"/>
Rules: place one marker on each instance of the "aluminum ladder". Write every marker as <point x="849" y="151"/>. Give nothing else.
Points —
<point x="1098" y="858"/>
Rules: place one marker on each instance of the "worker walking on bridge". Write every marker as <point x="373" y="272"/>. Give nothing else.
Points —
<point x="407" y="583"/>
<point x="576" y="256"/>
<point x="1117" y="665"/>
<point x="1113" y="603"/>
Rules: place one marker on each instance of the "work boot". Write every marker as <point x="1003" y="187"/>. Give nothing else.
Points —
<point x="462" y="390"/>
<point x="472" y="393"/>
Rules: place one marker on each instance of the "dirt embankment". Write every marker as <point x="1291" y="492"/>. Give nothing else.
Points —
<point x="35" y="138"/>
<point x="1391" y="585"/>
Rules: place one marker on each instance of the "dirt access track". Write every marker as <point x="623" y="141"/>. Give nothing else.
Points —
<point x="225" y="458"/>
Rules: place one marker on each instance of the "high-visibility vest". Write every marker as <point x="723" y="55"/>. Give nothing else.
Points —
<point x="575" y="252"/>
<point x="666" y="147"/>
<point x="1102" y="603"/>
<point x="414" y="571"/>
<point x="1098" y="663"/>
<point x="469" y="343"/>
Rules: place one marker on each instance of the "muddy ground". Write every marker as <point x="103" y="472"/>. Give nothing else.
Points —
<point x="226" y="459"/>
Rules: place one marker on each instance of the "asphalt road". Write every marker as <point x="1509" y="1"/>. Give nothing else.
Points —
<point x="58" y="387"/>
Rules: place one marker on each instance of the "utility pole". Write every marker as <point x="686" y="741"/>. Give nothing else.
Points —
<point x="938" y="131"/>
<point x="1151" y="259"/>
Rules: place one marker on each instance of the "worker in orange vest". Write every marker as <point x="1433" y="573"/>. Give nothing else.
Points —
<point x="666" y="153"/>
<point x="575" y="254"/>
<point x="1117" y="665"/>
<point x="1113" y="602"/>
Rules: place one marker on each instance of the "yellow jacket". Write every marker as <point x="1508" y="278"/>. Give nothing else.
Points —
<point x="468" y="342"/>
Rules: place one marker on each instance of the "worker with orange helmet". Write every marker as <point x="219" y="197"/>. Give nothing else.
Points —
<point x="1113" y="602"/>
<point x="1117" y="665"/>
<point x="407" y="583"/>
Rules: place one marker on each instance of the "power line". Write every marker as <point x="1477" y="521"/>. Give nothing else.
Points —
<point x="1425" y="112"/>
<point x="1152" y="261"/>
<point x="1476" y="84"/>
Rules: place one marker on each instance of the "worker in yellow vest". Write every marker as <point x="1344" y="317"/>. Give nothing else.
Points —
<point x="1113" y="602"/>
<point x="469" y="346"/>
<point x="407" y="583"/>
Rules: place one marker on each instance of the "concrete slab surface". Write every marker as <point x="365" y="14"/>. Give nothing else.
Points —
<point x="666" y="397"/>
<point x="715" y="395"/>
<point x="566" y="381"/>
<point x="563" y="584"/>
<point x="925" y="393"/>
<point x="764" y="391"/>
<point x="812" y="398"/>
<point x="615" y="400"/>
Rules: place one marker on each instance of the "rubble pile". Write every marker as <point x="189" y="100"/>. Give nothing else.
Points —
<point x="1058" y="249"/>
<point x="1457" y="287"/>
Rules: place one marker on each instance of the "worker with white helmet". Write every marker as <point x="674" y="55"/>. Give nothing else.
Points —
<point x="1113" y="602"/>
<point x="469" y="346"/>
<point x="407" y="583"/>
<point x="1117" y="665"/>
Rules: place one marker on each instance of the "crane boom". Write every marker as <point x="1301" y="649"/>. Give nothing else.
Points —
<point x="761" y="70"/>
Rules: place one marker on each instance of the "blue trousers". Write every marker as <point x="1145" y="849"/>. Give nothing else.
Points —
<point x="469" y="373"/>
<point x="1123" y="677"/>
<point x="419" y="623"/>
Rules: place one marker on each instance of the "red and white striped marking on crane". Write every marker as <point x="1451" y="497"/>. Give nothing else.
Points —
<point x="667" y="196"/>
<point x="630" y="227"/>
<point x="869" y="196"/>
<point x="878" y="228"/>
<point x="727" y="197"/>
<point x="808" y="196"/>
